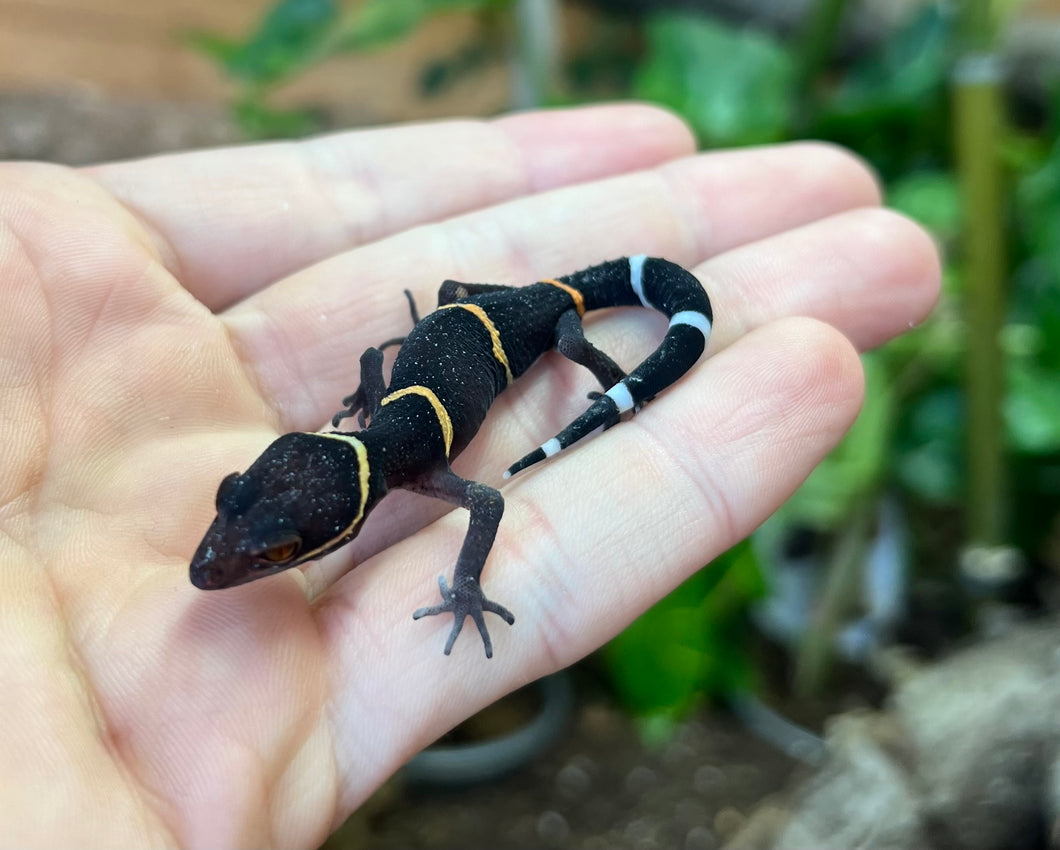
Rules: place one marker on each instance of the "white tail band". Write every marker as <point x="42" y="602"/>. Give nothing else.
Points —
<point x="636" y="277"/>
<point x="695" y="319"/>
<point x="621" y="396"/>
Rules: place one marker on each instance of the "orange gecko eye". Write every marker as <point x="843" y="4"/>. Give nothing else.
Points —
<point x="282" y="552"/>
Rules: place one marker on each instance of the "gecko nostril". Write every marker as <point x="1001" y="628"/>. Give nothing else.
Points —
<point x="206" y="577"/>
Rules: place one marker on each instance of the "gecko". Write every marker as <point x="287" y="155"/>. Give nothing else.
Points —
<point x="310" y="492"/>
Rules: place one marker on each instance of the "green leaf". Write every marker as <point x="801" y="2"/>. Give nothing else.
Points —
<point x="378" y="22"/>
<point x="213" y="46"/>
<point x="688" y="645"/>
<point x="1036" y="307"/>
<point x="258" y="121"/>
<point x="290" y="36"/>
<point x="931" y="446"/>
<point x="1032" y="408"/>
<point x="381" y="21"/>
<point x="910" y="68"/>
<point x="1036" y="297"/>
<point x="1038" y="206"/>
<point x="931" y="442"/>
<point x="892" y="106"/>
<point x="734" y="86"/>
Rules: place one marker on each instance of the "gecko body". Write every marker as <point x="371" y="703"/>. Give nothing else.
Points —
<point x="309" y="493"/>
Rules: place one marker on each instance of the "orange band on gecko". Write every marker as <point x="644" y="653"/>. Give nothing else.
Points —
<point x="576" y="296"/>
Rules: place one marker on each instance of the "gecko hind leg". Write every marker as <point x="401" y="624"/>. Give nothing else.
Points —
<point x="571" y="343"/>
<point x="453" y="290"/>
<point x="465" y="598"/>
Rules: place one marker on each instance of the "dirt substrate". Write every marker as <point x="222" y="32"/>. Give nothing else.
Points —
<point x="599" y="787"/>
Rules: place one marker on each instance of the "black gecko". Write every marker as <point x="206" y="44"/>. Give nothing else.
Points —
<point x="309" y="493"/>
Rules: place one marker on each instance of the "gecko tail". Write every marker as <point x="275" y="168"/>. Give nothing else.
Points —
<point x="602" y="412"/>
<point x="660" y="285"/>
<point x="681" y="347"/>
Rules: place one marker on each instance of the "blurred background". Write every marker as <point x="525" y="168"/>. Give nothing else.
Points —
<point x="879" y="665"/>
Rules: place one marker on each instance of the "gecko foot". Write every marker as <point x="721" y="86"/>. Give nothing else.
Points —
<point x="465" y="599"/>
<point x="353" y="405"/>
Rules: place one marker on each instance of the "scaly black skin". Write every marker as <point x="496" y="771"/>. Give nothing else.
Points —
<point x="309" y="493"/>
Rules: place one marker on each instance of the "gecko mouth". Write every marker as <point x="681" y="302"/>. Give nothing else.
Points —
<point x="206" y="574"/>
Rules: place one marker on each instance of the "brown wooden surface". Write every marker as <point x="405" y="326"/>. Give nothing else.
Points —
<point x="133" y="48"/>
<point x="123" y="46"/>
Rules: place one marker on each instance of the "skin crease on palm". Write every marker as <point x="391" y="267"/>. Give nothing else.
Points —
<point x="167" y="318"/>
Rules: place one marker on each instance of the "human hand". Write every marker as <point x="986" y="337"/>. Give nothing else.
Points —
<point x="166" y="319"/>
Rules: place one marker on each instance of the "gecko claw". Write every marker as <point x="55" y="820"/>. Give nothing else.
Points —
<point x="465" y="599"/>
<point x="352" y="405"/>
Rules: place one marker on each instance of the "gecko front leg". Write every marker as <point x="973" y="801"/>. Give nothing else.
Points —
<point x="366" y="398"/>
<point x="369" y="395"/>
<point x="465" y="598"/>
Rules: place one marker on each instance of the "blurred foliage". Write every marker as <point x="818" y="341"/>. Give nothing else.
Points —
<point x="737" y="86"/>
<point x="295" y="35"/>
<point x="893" y="105"/>
<point x="710" y="73"/>
<point x="856" y="465"/>
<point x="671" y="656"/>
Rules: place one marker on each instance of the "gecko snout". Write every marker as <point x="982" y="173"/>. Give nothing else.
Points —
<point x="206" y="577"/>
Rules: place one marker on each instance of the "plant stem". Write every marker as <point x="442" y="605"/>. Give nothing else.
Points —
<point x="814" y="657"/>
<point x="535" y="64"/>
<point x="978" y="124"/>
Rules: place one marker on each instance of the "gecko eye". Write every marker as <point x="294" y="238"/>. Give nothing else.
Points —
<point x="282" y="551"/>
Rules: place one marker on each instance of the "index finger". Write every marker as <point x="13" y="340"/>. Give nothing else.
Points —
<point x="232" y="220"/>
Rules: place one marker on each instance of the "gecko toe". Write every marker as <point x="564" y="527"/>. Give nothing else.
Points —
<point x="454" y="633"/>
<point x="480" y="623"/>
<point x="429" y="612"/>
<point x="464" y="600"/>
<point x="500" y="611"/>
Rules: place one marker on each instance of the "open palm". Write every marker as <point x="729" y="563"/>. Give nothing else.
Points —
<point x="166" y="319"/>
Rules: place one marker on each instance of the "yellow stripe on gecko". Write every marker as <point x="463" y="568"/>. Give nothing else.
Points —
<point x="495" y="337"/>
<point x="439" y="410"/>
<point x="362" y="469"/>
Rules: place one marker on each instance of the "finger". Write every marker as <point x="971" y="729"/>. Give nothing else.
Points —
<point x="233" y="220"/>
<point x="586" y="546"/>
<point x="872" y="273"/>
<point x="301" y="336"/>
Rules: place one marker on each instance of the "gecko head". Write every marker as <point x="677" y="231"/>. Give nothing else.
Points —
<point x="306" y="495"/>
